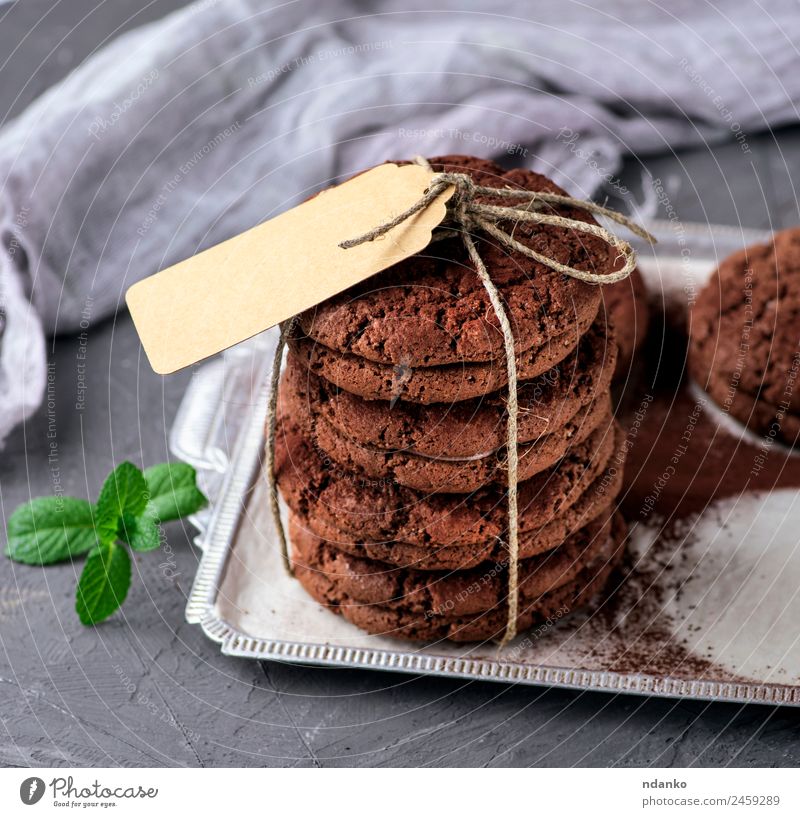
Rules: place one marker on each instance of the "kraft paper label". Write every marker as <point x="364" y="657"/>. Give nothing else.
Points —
<point x="255" y="280"/>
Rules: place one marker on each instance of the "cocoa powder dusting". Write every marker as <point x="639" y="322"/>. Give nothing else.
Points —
<point x="683" y="454"/>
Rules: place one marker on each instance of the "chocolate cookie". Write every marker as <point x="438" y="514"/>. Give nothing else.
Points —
<point x="441" y="474"/>
<point x="467" y="428"/>
<point x="381" y="511"/>
<point x="432" y="384"/>
<point x="625" y="304"/>
<point x="432" y="309"/>
<point x="595" y="501"/>
<point x="759" y="415"/>
<point x="413" y="623"/>
<point x="744" y="342"/>
<point x="456" y="593"/>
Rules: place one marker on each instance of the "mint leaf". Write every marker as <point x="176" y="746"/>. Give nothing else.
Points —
<point x="173" y="490"/>
<point x="130" y="508"/>
<point x="123" y="492"/>
<point x="50" y="529"/>
<point x="104" y="583"/>
<point x="141" y="532"/>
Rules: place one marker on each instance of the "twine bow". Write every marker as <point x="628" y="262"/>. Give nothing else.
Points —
<point x="465" y="216"/>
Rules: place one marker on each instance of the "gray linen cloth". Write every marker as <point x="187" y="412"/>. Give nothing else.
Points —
<point x="189" y="130"/>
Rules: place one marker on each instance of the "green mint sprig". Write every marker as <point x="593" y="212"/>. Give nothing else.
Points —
<point x="129" y="511"/>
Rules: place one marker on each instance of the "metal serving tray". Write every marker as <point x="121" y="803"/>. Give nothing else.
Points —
<point x="243" y="600"/>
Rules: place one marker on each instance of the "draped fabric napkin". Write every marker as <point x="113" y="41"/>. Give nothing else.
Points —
<point x="182" y="133"/>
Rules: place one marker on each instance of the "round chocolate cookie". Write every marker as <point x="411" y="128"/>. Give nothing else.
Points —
<point x="758" y="415"/>
<point x="440" y="474"/>
<point x="433" y="384"/>
<point x="382" y="511"/>
<point x="432" y="309"/>
<point x="625" y="304"/>
<point x="744" y="339"/>
<point x="411" y="623"/>
<point x="595" y="501"/>
<point x="459" y="592"/>
<point x="467" y="428"/>
<point x="460" y="475"/>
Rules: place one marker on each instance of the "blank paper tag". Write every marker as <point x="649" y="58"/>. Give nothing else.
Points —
<point x="255" y="280"/>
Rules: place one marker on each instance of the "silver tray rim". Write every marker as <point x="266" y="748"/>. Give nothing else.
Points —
<point x="217" y="527"/>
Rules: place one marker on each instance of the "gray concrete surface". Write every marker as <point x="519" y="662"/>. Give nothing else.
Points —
<point x="147" y="689"/>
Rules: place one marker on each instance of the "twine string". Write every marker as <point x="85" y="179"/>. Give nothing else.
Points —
<point x="512" y="450"/>
<point x="465" y="210"/>
<point x="465" y="215"/>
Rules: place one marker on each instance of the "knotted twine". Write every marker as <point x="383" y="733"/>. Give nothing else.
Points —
<point x="466" y="215"/>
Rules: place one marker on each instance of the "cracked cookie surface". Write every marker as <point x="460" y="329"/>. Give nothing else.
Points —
<point x="433" y="474"/>
<point x="433" y="384"/>
<point x="410" y="623"/>
<point x="597" y="499"/>
<point x="383" y="511"/>
<point x="744" y="341"/>
<point x="432" y="309"/>
<point x="467" y="427"/>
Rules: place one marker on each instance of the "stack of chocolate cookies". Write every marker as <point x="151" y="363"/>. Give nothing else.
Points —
<point x="390" y="449"/>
